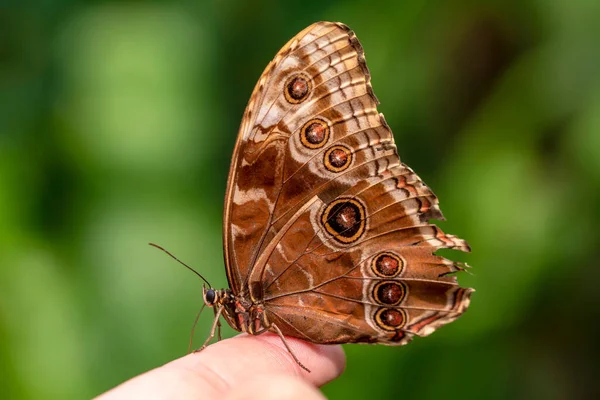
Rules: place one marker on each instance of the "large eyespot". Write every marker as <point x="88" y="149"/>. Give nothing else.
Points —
<point x="210" y="296"/>
<point x="389" y="293"/>
<point x="390" y="319"/>
<point x="387" y="265"/>
<point x="345" y="219"/>
<point x="297" y="88"/>
<point x="337" y="158"/>
<point x="314" y="133"/>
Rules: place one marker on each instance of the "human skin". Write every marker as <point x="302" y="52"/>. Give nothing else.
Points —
<point x="243" y="367"/>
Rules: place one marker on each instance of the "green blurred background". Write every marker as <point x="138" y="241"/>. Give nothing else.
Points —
<point x="117" y="122"/>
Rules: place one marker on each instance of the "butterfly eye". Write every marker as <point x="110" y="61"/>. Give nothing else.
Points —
<point x="210" y="296"/>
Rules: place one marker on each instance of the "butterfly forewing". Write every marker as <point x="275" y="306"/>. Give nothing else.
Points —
<point x="324" y="227"/>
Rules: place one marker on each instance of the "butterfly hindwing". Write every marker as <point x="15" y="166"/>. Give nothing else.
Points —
<point x="380" y="264"/>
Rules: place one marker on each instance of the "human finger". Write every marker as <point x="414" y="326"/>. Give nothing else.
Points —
<point x="220" y="367"/>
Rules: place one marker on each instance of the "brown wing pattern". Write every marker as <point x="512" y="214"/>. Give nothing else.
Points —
<point x="384" y="285"/>
<point x="322" y="221"/>
<point x="265" y="177"/>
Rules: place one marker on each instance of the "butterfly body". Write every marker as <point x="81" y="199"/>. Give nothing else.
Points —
<point x="326" y="233"/>
<point x="240" y="314"/>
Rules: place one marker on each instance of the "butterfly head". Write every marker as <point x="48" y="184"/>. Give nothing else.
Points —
<point x="215" y="297"/>
<point x="210" y="296"/>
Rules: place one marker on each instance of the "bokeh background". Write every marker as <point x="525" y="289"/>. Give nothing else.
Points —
<point x="117" y="122"/>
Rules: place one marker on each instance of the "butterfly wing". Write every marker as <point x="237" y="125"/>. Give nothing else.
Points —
<point x="323" y="223"/>
<point x="266" y="177"/>
<point x="361" y="268"/>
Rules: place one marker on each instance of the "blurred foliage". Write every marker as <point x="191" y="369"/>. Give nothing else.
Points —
<point x="117" y="121"/>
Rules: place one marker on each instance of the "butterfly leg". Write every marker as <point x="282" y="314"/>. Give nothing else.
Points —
<point x="288" y="348"/>
<point x="194" y="329"/>
<point x="219" y="331"/>
<point x="212" y="330"/>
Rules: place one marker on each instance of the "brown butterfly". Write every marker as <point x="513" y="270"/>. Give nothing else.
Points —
<point x="326" y="233"/>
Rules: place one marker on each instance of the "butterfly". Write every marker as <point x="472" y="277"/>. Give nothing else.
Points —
<point x="326" y="233"/>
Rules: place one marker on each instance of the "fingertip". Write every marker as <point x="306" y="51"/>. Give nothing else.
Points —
<point x="219" y="369"/>
<point x="325" y="362"/>
<point x="247" y="355"/>
<point x="275" y="387"/>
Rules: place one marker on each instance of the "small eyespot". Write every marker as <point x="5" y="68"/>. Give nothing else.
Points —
<point x="390" y="319"/>
<point x="297" y="88"/>
<point x="389" y="292"/>
<point x="387" y="265"/>
<point x="337" y="158"/>
<point x="210" y="296"/>
<point x="314" y="133"/>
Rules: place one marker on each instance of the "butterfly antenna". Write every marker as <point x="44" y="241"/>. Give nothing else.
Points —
<point x="194" y="328"/>
<point x="181" y="262"/>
